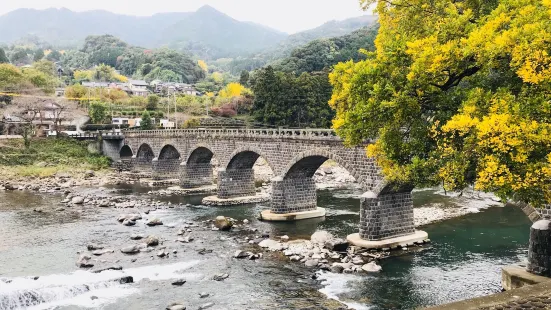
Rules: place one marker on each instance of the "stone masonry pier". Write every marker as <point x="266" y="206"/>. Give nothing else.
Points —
<point x="294" y="155"/>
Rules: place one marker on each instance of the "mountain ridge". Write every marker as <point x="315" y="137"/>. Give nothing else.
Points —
<point x="207" y="32"/>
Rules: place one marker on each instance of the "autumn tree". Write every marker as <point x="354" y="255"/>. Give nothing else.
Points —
<point x="76" y="91"/>
<point x="457" y="93"/>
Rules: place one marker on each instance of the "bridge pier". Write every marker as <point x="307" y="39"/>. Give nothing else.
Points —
<point x="386" y="221"/>
<point x="141" y="164"/>
<point x="195" y="175"/>
<point x="236" y="183"/>
<point x="164" y="169"/>
<point x="293" y="199"/>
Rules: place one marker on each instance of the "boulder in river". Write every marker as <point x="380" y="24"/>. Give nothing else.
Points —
<point x="94" y="246"/>
<point x="220" y="277"/>
<point x="240" y="254"/>
<point x="136" y="237"/>
<point x="176" y="306"/>
<point x="84" y="262"/>
<point x="77" y="200"/>
<point x="100" y="270"/>
<point x="125" y="280"/>
<point x="336" y="244"/>
<point x="154" y="222"/>
<point x="152" y="241"/>
<point x="321" y="237"/>
<point x="132" y="217"/>
<point x="130" y="249"/>
<point x="128" y="222"/>
<point x="223" y="223"/>
<point x="311" y="263"/>
<point x="206" y="306"/>
<point x="101" y="252"/>
<point x="179" y="282"/>
<point x="371" y="267"/>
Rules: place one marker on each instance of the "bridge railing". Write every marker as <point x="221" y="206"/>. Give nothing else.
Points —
<point x="314" y="134"/>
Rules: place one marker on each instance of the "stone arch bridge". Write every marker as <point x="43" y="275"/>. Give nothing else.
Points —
<point x="386" y="213"/>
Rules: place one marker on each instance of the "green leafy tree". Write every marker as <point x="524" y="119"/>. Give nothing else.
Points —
<point x="40" y="80"/>
<point x="152" y="102"/>
<point x="10" y="77"/>
<point x="45" y="66"/>
<point x="3" y="57"/>
<point x="147" y="122"/>
<point x="19" y="56"/>
<point x="75" y="60"/>
<point x="54" y="56"/>
<point x="282" y="99"/>
<point x="97" y="112"/>
<point x="244" y="78"/>
<point x="104" y="49"/>
<point x="38" y="55"/>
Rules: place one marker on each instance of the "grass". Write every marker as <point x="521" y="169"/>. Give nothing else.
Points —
<point x="46" y="157"/>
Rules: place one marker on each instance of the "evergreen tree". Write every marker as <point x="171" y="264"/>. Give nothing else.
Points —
<point x="38" y="55"/>
<point x="244" y="79"/>
<point x="146" y="123"/>
<point x="3" y="57"/>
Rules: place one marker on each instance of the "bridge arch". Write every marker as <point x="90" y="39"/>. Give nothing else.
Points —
<point x="145" y="153"/>
<point x="169" y="152"/>
<point x="305" y="164"/>
<point x="126" y="152"/>
<point x="200" y="154"/>
<point x="246" y="157"/>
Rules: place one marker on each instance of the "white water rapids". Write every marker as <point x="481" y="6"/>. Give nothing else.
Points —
<point x="82" y="288"/>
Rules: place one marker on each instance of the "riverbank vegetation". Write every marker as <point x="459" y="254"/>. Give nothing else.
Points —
<point x="47" y="156"/>
<point x="458" y="93"/>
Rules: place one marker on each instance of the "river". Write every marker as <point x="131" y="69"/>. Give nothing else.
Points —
<point x="463" y="261"/>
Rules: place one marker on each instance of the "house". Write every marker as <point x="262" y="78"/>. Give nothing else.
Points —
<point x="95" y="84"/>
<point x="170" y="88"/>
<point x="60" y="92"/>
<point x="120" y="120"/>
<point x="165" y="123"/>
<point x="47" y="117"/>
<point x="138" y="88"/>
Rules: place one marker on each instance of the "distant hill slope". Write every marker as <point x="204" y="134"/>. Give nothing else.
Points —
<point x="347" y="35"/>
<point x="206" y="28"/>
<point x="207" y="32"/>
<point x="64" y="27"/>
<point x="321" y="54"/>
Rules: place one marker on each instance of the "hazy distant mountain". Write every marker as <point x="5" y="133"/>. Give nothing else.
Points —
<point x="206" y="32"/>
<point x="65" y="27"/>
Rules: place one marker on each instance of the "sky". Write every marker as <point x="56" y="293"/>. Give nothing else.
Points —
<point x="289" y="16"/>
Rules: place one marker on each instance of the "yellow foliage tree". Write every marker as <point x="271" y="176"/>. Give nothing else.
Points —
<point x="203" y="65"/>
<point x="457" y="93"/>
<point x="233" y="90"/>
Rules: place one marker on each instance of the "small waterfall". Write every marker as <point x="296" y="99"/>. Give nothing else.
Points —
<point x="81" y="288"/>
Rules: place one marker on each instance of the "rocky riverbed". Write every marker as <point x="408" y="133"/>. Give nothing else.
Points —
<point x="149" y="229"/>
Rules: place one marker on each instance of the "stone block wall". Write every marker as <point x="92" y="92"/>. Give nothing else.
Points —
<point x="165" y="169"/>
<point x="236" y="183"/>
<point x="111" y="148"/>
<point x="293" y="195"/>
<point x="196" y="175"/>
<point x="123" y="165"/>
<point x="387" y="216"/>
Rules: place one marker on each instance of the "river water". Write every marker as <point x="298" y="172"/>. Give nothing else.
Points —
<point x="463" y="261"/>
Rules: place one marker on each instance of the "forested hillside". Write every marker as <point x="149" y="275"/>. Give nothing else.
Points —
<point x="207" y="33"/>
